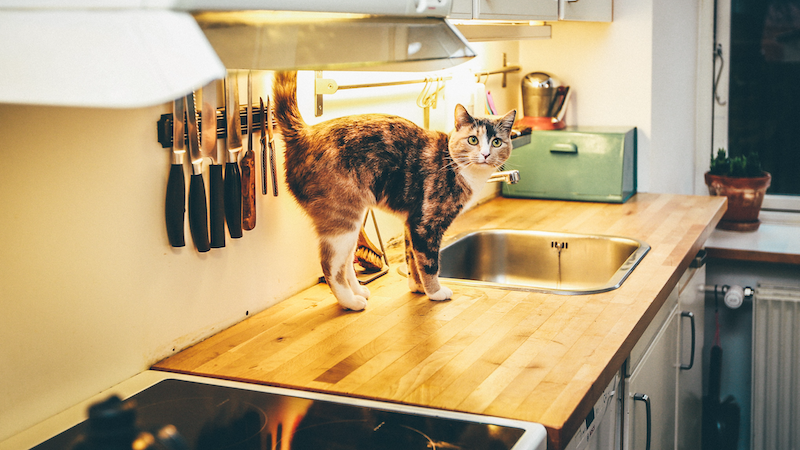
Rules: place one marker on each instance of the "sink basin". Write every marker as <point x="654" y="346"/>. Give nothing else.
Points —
<point x="560" y="263"/>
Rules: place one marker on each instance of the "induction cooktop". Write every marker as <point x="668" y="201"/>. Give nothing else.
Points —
<point x="218" y="414"/>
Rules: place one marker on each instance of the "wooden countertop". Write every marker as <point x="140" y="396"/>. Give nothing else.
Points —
<point x="537" y="357"/>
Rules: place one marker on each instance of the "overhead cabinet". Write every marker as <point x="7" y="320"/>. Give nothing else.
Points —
<point x="526" y="10"/>
<point x="585" y="10"/>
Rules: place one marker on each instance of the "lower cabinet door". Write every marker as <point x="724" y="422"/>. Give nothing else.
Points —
<point x="690" y="377"/>
<point x="650" y="401"/>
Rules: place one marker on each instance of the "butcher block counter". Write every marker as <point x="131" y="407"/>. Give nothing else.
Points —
<point x="531" y="356"/>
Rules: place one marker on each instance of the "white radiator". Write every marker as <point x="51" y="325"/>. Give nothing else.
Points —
<point x="776" y="368"/>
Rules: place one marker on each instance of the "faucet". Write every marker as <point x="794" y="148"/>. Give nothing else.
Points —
<point x="508" y="176"/>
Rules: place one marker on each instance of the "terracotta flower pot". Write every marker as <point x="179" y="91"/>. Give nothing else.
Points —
<point x="745" y="196"/>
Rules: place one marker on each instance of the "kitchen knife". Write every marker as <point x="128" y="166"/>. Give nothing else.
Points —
<point x="248" y="166"/>
<point x="263" y="146"/>
<point x="175" y="206"/>
<point x="198" y="215"/>
<point x="271" y="143"/>
<point x="216" y="188"/>
<point x="233" y="181"/>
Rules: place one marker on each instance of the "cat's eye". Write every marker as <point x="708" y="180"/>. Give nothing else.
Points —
<point x="473" y="140"/>
<point x="496" y="142"/>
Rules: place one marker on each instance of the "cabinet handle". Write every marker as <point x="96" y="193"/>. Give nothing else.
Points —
<point x="564" y="148"/>
<point x="644" y="398"/>
<point x="690" y="315"/>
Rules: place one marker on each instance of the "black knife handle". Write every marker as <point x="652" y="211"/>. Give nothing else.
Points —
<point x="175" y="205"/>
<point x="233" y="199"/>
<point x="217" y="195"/>
<point x="198" y="215"/>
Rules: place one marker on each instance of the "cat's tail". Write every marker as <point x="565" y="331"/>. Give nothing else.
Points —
<point x="287" y="114"/>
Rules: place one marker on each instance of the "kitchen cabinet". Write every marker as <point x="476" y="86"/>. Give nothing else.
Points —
<point x="650" y="405"/>
<point x="664" y="385"/>
<point x="585" y="10"/>
<point x="511" y="10"/>
<point x="691" y="299"/>
<point x="515" y="10"/>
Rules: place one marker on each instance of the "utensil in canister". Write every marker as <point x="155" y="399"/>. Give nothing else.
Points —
<point x="198" y="208"/>
<point x="233" y="180"/>
<point x="175" y="205"/>
<point x="209" y="145"/>
<point x="248" y="163"/>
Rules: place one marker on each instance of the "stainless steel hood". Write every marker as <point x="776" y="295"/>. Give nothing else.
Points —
<point x="275" y="40"/>
<point x="136" y="53"/>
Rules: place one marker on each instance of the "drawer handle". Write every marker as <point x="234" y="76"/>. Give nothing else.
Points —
<point x="690" y="315"/>
<point x="644" y="398"/>
<point x="564" y="148"/>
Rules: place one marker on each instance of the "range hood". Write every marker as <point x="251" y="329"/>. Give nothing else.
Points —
<point x="136" y="53"/>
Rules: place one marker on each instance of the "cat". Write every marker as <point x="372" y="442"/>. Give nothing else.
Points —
<point x="339" y="168"/>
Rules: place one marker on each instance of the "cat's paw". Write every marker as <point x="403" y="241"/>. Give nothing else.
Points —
<point x="415" y="287"/>
<point x="361" y="290"/>
<point x="444" y="293"/>
<point x="357" y="303"/>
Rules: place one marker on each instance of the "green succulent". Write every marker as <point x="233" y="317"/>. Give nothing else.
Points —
<point x="739" y="166"/>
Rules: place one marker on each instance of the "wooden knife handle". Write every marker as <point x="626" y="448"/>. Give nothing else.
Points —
<point x="233" y="199"/>
<point x="198" y="213"/>
<point x="217" y="212"/>
<point x="175" y="205"/>
<point x="249" y="191"/>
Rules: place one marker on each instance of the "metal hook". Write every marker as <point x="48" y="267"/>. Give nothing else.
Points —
<point x="422" y="98"/>
<point x="718" y="54"/>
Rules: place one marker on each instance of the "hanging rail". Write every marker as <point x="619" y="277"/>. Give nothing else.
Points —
<point x="324" y="86"/>
<point x="444" y="78"/>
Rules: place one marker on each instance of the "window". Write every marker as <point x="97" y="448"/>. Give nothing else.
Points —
<point x="764" y="92"/>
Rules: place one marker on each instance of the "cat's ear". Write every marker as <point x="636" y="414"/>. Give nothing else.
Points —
<point x="462" y="117"/>
<point x="507" y="122"/>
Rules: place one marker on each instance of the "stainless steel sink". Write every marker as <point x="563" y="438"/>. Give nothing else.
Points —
<point x="561" y="263"/>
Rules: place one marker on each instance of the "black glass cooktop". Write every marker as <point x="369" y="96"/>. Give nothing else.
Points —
<point x="219" y="417"/>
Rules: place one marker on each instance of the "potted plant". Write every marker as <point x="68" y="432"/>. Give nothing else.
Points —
<point x="742" y="180"/>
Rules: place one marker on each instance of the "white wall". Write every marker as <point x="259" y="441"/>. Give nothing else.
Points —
<point x="91" y="291"/>
<point x="639" y="70"/>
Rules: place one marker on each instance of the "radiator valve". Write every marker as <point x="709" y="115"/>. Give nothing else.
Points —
<point x="735" y="295"/>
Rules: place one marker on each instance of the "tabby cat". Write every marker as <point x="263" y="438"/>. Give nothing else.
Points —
<point x="339" y="168"/>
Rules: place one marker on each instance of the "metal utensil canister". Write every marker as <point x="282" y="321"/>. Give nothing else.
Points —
<point x="538" y="91"/>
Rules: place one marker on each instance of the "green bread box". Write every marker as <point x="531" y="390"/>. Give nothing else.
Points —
<point x="595" y="164"/>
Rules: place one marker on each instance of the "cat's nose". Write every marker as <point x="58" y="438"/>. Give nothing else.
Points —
<point x="484" y="155"/>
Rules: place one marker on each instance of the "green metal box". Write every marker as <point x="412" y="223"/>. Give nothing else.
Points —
<point x="596" y="164"/>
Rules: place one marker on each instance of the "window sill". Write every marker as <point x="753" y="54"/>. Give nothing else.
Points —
<point x="777" y="240"/>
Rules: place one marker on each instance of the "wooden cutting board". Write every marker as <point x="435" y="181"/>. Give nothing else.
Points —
<point x="538" y="357"/>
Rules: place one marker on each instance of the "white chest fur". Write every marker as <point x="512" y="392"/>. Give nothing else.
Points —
<point x="476" y="176"/>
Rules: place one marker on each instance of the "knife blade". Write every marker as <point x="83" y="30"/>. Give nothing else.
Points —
<point x="175" y="205"/>
<point x="248" y="166"/>
<point x="198" y="209"/>
<point x="216" y="188"/>
<point x="263" y="146"/>
<point x="271" y="143"/>
<point x="233" y="181"/>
